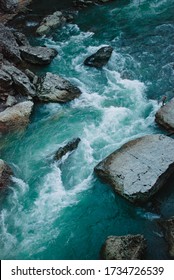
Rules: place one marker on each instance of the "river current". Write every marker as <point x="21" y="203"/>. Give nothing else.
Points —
<point x="63" y="211"/>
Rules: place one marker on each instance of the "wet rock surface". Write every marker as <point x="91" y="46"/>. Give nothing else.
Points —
<point x="100" y="58"/>
<point x="128" y="247"/>
<point x="165" y="115"/>
<point x="69" y="147"/>
<point x="168" y="227"/>
<point x="5" y="174"/>
<point x="53" y="88"/>
<point x="139" y="168"/>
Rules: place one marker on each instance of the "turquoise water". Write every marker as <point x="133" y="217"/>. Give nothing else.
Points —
<point x="63" y="211"/>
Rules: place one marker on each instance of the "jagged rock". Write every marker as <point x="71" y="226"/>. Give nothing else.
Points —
<point x="38" y="55"/>
<point x="165" y="115"/>
<point x="21" y="82"/>
<point x="5" y="82"/>
<point x="5" y="173"/>
<point x="140" y="167"/>
<point x="128" y="247"/>
<point x="51" y="22"/>
<point x="168" y="226"/>
<point x="11" y="100"/>
<point x="32" y="77"/>
<point x="8" y="45"/>
<point x="21" y="39"/>
<point x="100" y="58"/>
<point x="9" y="6"/>
<point x="53" y="88"/>
<point x="69" y="147"/>
<point x="15" y="117"/>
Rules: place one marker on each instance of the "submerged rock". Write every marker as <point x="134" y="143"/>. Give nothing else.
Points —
<point x="100" y="58"/>
<point x="168" y="226"/>
<point x="15" y="117"/>
<point x="140" y="167"/>
<point x="38" y="55"/>
<point x="53" y="88"/>
<point x="69" y="147"/>
<point x="5" y="173"/>
<point x="51" y="22"/>
<point x="128" y="247"/>
<point x="165" y="115"/>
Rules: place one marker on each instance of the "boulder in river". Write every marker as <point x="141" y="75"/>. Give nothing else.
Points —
<point x="168" y="226"/>
<point x="38" y="55"/>
<point x="165" y="115"/>
<point x="53" y="88"/>
<point x="5" y="173"/>
<point x="128" y="247"/>
<point x="100" y="58"/>
<point x="140" y="167"/>
<point x="51" y="22"/>
<point x="69" y="147"/>
<point x="15" y="117"/>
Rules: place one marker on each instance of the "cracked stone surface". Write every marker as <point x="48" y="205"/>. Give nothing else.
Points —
<point x="140" y="167"/>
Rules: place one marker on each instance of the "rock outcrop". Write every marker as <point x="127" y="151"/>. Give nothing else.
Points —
<point x="15" y="117"/>
<point x="37" y="55"/>
<point x="69" y="147"/>
<point x="128" y="247"/>
<point x="165" y="115"/>
<point x="53" y="88"/>
<point x="140" y="167"/>
<point x="168" y="226"/>
<point x="50" y="23"/>
<point x="100" y="58"/>
<point x="5" y="174"/>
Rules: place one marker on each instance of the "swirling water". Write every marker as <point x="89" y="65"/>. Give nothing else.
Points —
<point x="62" y="211"/>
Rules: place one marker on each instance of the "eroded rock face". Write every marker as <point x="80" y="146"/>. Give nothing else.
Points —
<point x="5" y="173"/>
<point x="15" y="117"/>
<point x="140" y="167"/>
<point x="38" y="55"/>
<point x="165" y="115"/>
<point x="128" y="247"/>
<point x="168" y="226"/>
<point x="69" y="147"/>
<point x="100" y="58"/>
<point x="53" y="88"/>
<point x="51" y="22"/>
<point x="9" y="6"/>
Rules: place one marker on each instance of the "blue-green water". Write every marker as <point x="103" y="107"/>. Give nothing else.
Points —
<point x="63" y="211"/>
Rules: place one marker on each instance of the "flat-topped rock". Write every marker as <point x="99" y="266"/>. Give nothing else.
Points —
<point x="128" y="247"/>
<point x="5" y="173"/>
<point x="165" y="115"/>
<point x="168" y="226"/>
<point x="53" y="88"/>
<point x="15" y="117"/>
<point x="140" y="167"/>
<point x="37" y="55"/>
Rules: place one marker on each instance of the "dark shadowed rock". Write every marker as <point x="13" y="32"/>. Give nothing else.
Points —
<point x="128" y="247"/>
<point x="21" y="82"/>
<point x="165" y="115"/>
<point x="168" y="226"/>
<point x="53" y="88"/>
<point x="5" y="174"/>
<point x="5" y="82"/>
<point x="8" y="45"/>
<point x="21" y="39"/>
<point x="140" y="167"/>
<point x="71" y="146"/>
<point x="9" y="6"/>
<point x="100" y="58"/>
<point x="38" y="55"/>
<point x="15" y="117"/>
<point x="51" y="22"/>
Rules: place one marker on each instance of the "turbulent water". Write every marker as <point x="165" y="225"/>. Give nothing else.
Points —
<point x="62" y="211"/>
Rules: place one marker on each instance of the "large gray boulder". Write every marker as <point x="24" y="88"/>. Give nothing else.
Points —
<point x="8" y="45"/>
<point x="15" y="117"/>
<point x="100" y="58"/>
<point x="51" y="22"/>
<point x="168" y="226"/>
<point x="21" y="82"/>
<point x="53" y="88"/>
<point x="140" y="167"/>
<point x="9" y="6"/>
<point x="128" y="247"/>
<point x="69" y="147"/>
<point x="37" y="55"/>
<point x="165" y="115"/>
<point x="5" y="174"/>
